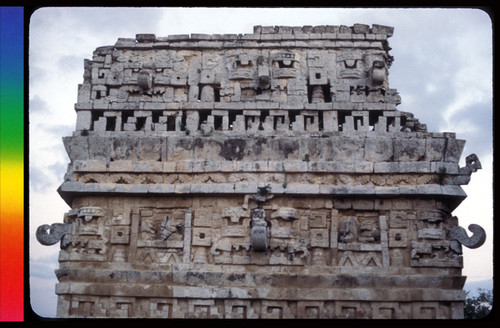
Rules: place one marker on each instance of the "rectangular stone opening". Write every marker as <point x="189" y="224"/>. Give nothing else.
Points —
<point x="292" y="114"/>
<point x="126" y="114"/>
<point x="342" y="114"/>
<point x="216" y="94"/>
<point x="203" y="117"/>
<point x="183" y="121"/>
<point x="232" y="117"/>
<point x="218" y="123"/>
<point x="96" y="114"/>
<point x="110" y="123"/>
<point x="373" y="118"/>
<point x="170" y="123"/>
<point x="141" y="123"/>
<point x="155" y="116"/>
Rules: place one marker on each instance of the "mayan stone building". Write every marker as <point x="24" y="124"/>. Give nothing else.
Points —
<point x="261" y="175"/>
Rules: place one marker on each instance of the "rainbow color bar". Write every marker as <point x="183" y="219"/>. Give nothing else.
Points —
<point x="11" y="163"/>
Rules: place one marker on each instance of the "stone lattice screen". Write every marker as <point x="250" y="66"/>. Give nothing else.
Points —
<point x="263" y="175"/>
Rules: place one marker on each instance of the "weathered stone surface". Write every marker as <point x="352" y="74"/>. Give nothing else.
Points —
<point x="263" y="175"/>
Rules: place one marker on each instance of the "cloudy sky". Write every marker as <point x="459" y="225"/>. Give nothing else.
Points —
<point x="442" y="70"/>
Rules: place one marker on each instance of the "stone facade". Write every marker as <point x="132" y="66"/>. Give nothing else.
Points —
<point x="263" y="175"/>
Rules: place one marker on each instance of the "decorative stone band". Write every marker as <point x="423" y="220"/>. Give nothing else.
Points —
<point x="97" y="306"/>
<point x="187" y="274"/>
<point x="237" y="105"/>
<point x="340" y="147"/>
<point x="262" y="293"/>
<point x="69" y="190"/>
<point x="197" y="166"/>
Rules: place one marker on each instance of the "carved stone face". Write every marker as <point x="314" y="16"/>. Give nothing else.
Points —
<point x="258" y="217"/>
<point x="348" y="231"/>
<point x="378" y="72"/>
<point x="350" y="65"/>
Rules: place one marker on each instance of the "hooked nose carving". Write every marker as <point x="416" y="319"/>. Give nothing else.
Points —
<point x="460" y="235"/>
<point x="144" y="80"/>
<point x="378" y="72"/>
<point x="472" y="162"/>
<point x="259" y="230"/>
<point x="263" y="73"/>
<point x="49" y="235"/>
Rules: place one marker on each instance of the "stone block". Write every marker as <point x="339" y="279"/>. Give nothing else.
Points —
<point x="346" y="149"/>
<point x="431" y="189"/>
<point x="414" y="167"/>
<point x="320" y="238"/>
<point x="83" y="120"/>
<point x="178" y="37"/>
<point x="99" y="148"/>
<point x="454" y="148"/>
<point x="182" y="188"/>
<point x="148" y="166"/>
<point x="317" y="76"/>
<point x="381" y="29"/>
<point x="361" y="28"/>
<point x="76" y="147"/>
<point x="435" y="149"/>
<point x="295" y="166"/>
<point x="89" y="166"/>
<point x="301" y="189"/>
<point x="378" y="150"/>
<point x="121" y="166"/>
<point x="444" y="167"/>
<point x="199" y="36"/>
<point x="382" y="204"/>
<point x="409" y="149"/>
<point x="249" y="188"/>
<point x="363" y="204"/>
<point x="100" y="124"/>
<point x="120" y="235"/>
<point x="202" y="237"/>
<point x="387" y="191"/>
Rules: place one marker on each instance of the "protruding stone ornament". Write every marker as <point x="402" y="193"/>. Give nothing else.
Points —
<point x="51" y="234"/>
<point x="459" y="236"/>
<point x="259" y="230"/>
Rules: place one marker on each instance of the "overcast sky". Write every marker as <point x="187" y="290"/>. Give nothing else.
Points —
<point x="442" y="70"/>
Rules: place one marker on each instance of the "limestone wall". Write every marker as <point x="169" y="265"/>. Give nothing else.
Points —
<point x="263" y="175"/>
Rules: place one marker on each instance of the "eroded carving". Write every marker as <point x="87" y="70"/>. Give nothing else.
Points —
<point x="348" y="231"/>
<point x="167" y="229"/>
<point x="459" y="235"/>
<point x="51" y="234"/>
<point x="259" y="231"/>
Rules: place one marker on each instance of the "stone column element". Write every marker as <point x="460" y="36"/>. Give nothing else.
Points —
<point x="186" y="258"/>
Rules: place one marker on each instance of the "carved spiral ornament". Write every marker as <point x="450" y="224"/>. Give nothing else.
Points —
<point x="51" y="234"/>
<point x="476" y="240"/>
